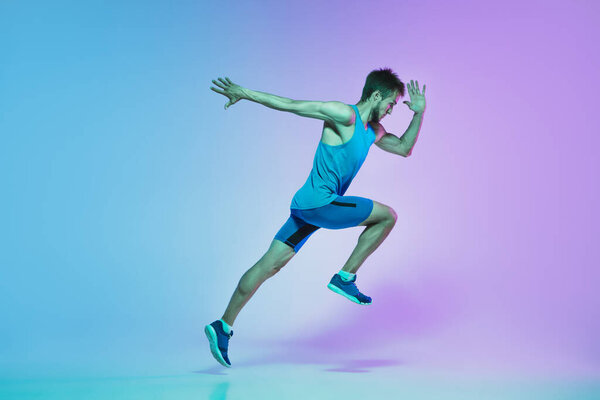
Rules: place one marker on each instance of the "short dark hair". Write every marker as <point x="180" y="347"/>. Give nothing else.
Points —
<point x="384" y="80"/>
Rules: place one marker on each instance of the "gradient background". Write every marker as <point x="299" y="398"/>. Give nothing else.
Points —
<point x="132" y="202"/>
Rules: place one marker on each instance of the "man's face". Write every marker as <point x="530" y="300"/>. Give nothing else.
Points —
<point x="385" y="106"/>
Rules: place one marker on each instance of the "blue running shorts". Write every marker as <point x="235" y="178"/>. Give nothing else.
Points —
<point x="343" y="212"/>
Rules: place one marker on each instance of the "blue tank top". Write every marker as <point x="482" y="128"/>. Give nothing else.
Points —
<point x="334" y="167"/>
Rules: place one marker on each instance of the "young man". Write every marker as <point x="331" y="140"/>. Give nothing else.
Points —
<point x="348" y="132"/>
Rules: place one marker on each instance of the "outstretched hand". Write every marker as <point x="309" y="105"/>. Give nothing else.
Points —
<point x="417" y="99"/>
<point x="230" y="90"/>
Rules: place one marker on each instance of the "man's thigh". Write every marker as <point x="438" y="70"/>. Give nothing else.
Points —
<point x="343" y="212"/>
<point x="380" y="213"/>
<point x="294" y="233"/>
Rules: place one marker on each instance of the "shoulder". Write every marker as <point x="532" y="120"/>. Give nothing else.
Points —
<point x="340" y="112"/>
<point x="378" y="129"/>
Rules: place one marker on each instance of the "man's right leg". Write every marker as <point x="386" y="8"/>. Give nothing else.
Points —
<point x="269" y="264"/>
<point x="278" y="255"/>
<point x="286" y="243"/>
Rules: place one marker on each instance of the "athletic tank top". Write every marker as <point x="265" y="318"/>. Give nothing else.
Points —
<point x="334" y="167"/>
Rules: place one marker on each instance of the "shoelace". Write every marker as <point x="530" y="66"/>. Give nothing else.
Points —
<point x="352" y="285"/>
<point x="355" y="290"/>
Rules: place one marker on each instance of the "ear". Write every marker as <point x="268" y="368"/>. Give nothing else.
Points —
<point x="376" y="95"/>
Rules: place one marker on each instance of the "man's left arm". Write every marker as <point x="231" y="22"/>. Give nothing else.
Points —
<point x="403" y="145"/>
<point x="408" y="140"/>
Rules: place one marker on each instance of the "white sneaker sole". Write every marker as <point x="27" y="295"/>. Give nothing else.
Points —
<point x="336" y="289"/>
<point x="214" y="345"/>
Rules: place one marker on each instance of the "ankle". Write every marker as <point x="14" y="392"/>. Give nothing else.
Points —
<point x="347" y="276"/>
<point x="226" y="327"/>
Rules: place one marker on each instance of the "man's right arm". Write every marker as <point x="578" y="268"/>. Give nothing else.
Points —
<point x="332" y="111"/>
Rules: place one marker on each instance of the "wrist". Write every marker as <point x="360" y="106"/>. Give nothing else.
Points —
<point x="246" y="94"/>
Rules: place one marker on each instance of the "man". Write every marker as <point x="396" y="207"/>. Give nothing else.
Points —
<point x="348" y="132"/>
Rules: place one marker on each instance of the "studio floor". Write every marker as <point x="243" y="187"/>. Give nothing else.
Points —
<point x="260" y="373"/>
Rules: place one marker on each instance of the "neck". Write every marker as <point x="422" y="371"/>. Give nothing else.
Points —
<point x="366" y="111"/>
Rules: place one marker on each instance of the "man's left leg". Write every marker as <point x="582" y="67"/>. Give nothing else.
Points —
<point x="346" y="212"/>
<point x="379" y="224"/>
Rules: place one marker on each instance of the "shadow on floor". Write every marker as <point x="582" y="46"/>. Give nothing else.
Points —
<point x="400" y="312"/>
<point x="355" y="365"/>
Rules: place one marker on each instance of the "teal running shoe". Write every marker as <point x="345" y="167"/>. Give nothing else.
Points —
<point x="219" y="342"/>
<point x="348" y="290"/>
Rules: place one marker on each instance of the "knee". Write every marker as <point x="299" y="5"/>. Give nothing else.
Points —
<point x="271" y="266"/>
<point x="275" y="269"/>
<point x="269" y="270"/>
<point x="392" y="216"/>
<point x="276" y="265"/>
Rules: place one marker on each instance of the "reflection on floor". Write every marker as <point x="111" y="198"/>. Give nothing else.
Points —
<point x="300" y="377"/>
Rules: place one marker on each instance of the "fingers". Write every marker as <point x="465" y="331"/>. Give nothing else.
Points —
<point x="231" y="102"/>
<point x="218" y="91"/>
<point x="223" y="83"/>
<point x="413" y="88"/>
<point x="219" y="84"/>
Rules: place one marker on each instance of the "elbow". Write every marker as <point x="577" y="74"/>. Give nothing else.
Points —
<point x="402" y="149"/>
<point x="405" y="153"/>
